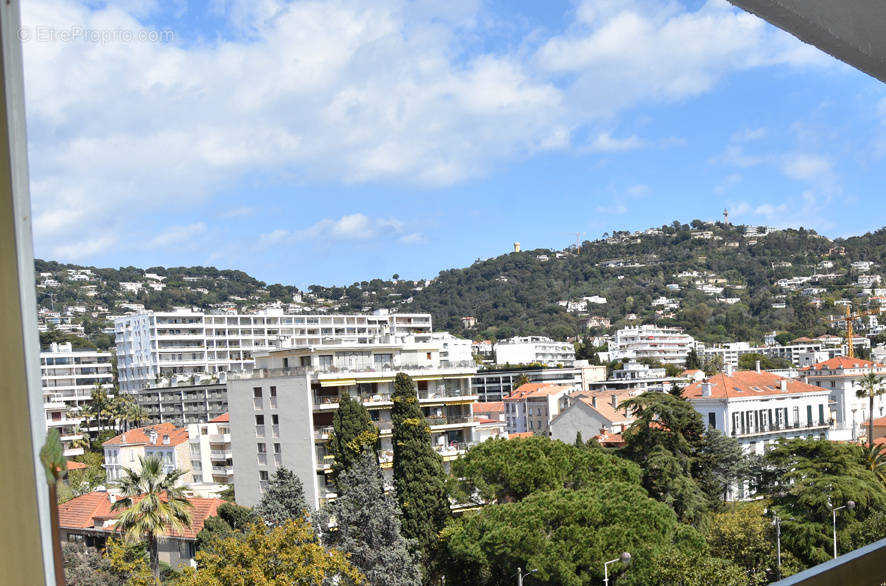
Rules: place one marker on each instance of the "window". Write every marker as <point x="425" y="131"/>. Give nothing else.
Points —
<point x="256" y="392"/>
<point x="712" y="420"/>
<point x="259" y="419"/>
<point x="275" y="419"/>
<point x="821" y="414"/>
<point x="262" y="448"/>
<point x="808" y="414"/>
<point x="273" y="391"/>
<point x="305" y="361"/>
<point x="429" y="355"/>
<point x="262" y="474"/>
<point x="277" y="449"/>
<point x="285" y="365"/>
<point x="325" y="361"/>
<point x="796" y="416"/>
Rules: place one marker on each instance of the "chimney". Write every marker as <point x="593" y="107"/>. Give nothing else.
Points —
<point x="152" y="437"/>
<point x="614" y="401"/>
<point x="705" y="389"/>
<point x="758" y="366"/>
<point x="784" y="385"/>
<point x="123" y="438"/>
<point x="166" y="440"/>
<point x="729" y="369"/>
<point x="112" y="498"/>
<point x="594" y="401"/>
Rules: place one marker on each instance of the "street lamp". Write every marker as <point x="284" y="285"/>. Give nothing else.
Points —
<point x="777" y="521"/>
<point x="624" y="558"/>
<point x="521" y="575"/>
<point x="849" y="505"/>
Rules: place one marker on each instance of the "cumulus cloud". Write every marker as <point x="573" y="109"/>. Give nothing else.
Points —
<point x="341" y="91"/>
<point x="351" y="227"/>
<point x="806" y="167"/>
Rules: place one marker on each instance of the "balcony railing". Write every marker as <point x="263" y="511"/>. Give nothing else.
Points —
<point x="776" y="428"/>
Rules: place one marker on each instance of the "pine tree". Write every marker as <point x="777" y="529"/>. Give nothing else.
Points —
<point x="353" y="432"/>
<point x="368" y="526"/>
<point x="418" y="470"/>
<point x="283" y="500"/>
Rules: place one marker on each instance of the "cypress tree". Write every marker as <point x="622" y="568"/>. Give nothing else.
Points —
<point x="352" y="433"/>
<point x="284" y="500"/>
<point x="368" y="527"/>
<point x="418" y="470"/>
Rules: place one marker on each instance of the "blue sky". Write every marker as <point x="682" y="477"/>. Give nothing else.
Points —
<point x="332" y="142"/>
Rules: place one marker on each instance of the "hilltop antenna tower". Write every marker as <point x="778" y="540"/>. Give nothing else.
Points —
<point x="726" y="217"/>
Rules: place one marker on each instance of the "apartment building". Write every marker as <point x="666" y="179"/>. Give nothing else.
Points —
<point x="70" y="376"/>
<point x="841" y="376"/>
<point x="165" y="441"/>
<point x="758" y="408"/>
<point x="212" y="457"/>
<point x="281" y="413"/>
<point x="495" y="384"/>
<point x="184" y="404"/>
<point x="666" y="345"/>
<point x="186" y="345"/>
<point x="730" y="353"/>
<point x="535" y="349"/>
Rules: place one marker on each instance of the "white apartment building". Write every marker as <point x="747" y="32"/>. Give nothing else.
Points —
<point x="592" y="414"/>
<point x="530" y="349"/>
<point x="452" y="349"/>
<point x="70" y="375"/>
<point x="191" y="345"/>
<point x="841" y="376"/>
<point x="212" y="457"/>
<point x="666" y="345"/>
<point x="495" y="384"/>
<point x="731" y="352"/>
<point x="758" y="407"/>
<point x="281" y="413"/>
<point x="55" y="413"/>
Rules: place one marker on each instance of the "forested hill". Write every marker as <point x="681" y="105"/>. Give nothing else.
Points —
<point x="735" y="283"/>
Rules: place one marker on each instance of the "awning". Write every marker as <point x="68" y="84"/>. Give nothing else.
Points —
<point x="338" y="382"/>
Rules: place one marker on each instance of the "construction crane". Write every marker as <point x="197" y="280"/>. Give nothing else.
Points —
<point x="850" y="318"/>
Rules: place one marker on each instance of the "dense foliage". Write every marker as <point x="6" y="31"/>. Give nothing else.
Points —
<point x="367" y="526"/>
<point x="419" y="480"/>
<point x="283" y="500"/>
<point x="352" y="433"/>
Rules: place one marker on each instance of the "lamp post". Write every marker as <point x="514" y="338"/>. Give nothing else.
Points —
<point x="521" y="575"/>
<point x="849" y="505"/>
<point x="777" y="521"/>
<point x="625" y="558"/>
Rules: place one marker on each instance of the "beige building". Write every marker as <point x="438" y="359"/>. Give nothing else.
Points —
<point x="165" y="441"/>
<point x="212" y="458"/>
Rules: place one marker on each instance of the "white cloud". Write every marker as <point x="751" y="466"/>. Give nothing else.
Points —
<point x="413" y="238"/>
<point x="237" y="212"/>
<point x="351" y="227"/>
<point x="638" y="190"/>
<point x="617" y="207"/>
<point x="728" y="182"/>
<point x="771" y="212"/>
<point x="341" y="91"/>
<point x="748" y="135"/>
<point x="177" y="235"/>
<point x="806" y="167"/>
<point x="608" y="144"/>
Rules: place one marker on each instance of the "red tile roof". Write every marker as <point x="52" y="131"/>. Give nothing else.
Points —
<point x="72" y="465"/>
<point x="491" y="407"/>
<point x="520" y="434"/>
<point x="524" y="390"/>
<point x="604" y="404"/>
<point x="691" y="371"/>
<point x="842" y="362"/>
<point x="223" y="418"/>
<point x="748" y="383"/>
<point x="142" y="436"/>
<point x="546" y="391"/>
<point x="610" y="439"/>
<point x="83" y="511"/>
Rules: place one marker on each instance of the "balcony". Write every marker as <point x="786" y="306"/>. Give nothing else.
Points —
<point x="322" y="433"/>
<point x="220" y="438"/>
<point x="220" y="454"/>
<point x="775" y="429"/>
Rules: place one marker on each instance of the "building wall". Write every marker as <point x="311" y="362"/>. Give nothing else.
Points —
<point x="578" y="418"/>
<point x="183" y="405"/>
<point x="296" y="435"/>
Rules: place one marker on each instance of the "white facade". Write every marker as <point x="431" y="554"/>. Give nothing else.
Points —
<point x="212" y="457"/>
<point x="68" y="378"/>
<point x="666" y="345"/>
<point x="731" y="352"/>
<point x="841" y="376"/>
<point x="531" y="349"/>
<point x="281" y="413"/>
<point x="154" y="346"/>
<point x="452" y="349"/>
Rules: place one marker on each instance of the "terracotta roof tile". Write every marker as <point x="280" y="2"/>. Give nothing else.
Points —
<point x="72" y="465"/>
<point x="81" y="513"/>
<point x="223" y="418"/>
<point x="142" y="436"/>
<point x="604" y="403"/>
<point x="841" y="363"/>
<point x="520" y="434"/>
<point x="748" y="383"/>
<point x="490" y="407"/>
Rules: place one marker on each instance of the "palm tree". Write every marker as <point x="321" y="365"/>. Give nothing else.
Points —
<point x="151" y="503"/>
<point x="99" y="406"/>
<point x="876" y="456"/>
<point x="871" y="386"/>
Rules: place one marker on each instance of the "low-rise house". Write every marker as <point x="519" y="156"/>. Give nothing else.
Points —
<point x="531" y="407"/>
<point x="165" y="441"/>
<point x="89" y="519"/>
<point x="592" y="414"/>
<point x="212" y="458"/>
